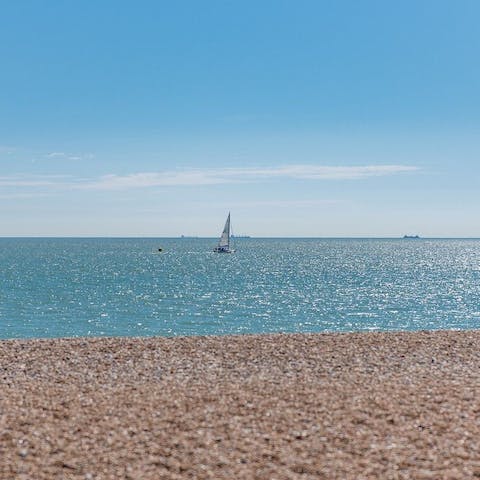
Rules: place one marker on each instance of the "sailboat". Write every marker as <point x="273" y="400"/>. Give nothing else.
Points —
<point x="224" y="242"/>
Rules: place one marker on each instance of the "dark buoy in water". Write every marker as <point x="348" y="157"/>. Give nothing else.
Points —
<point x="160" y="249"/>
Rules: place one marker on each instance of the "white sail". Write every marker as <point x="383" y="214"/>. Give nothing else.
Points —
<point x="224" y="242"/>
<point x="225" y="238"/>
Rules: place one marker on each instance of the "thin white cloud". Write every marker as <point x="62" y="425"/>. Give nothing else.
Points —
<point x="199" y="177"/>
<point x="35" y="181"/>
<point x="196" y="177"/>
<point x="159" y="179"/>
<point x="69" y="156"/>
<point x="284" y="203"/>
<point x="19" y="196"/>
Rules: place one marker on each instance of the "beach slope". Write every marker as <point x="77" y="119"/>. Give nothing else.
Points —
<point x="346" y="406"/>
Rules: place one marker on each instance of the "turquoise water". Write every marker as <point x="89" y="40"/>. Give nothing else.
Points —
<point x="78" y="287"/>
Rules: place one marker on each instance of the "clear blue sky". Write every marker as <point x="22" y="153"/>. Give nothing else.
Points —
<point x="303" y="118"/>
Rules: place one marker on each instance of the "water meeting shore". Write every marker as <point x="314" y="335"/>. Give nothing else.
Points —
<point x="346" y="406"/>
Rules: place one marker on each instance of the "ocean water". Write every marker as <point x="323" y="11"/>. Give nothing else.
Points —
<point x="124" y="287"/>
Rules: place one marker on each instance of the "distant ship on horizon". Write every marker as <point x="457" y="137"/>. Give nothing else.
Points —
<point x="411" y="237"/>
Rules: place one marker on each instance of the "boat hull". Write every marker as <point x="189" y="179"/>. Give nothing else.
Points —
<point x="223" y="250"/>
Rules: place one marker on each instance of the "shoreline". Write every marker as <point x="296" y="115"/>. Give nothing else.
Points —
<point x="372" y="331"/>
<point x="327" y="405"/>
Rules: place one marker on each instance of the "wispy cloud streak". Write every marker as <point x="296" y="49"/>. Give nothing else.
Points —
<point x="69" y="156"/>
<point x="197" y="177"/>
<point x="284" y="203"/>
<point x="35" y="181"/>
<point x="21" y="196"/>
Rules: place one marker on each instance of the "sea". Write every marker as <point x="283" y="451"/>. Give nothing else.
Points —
<point x="71" y="287"/>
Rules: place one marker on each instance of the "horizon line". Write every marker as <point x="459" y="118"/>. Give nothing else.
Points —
<point x="242" y="237"/>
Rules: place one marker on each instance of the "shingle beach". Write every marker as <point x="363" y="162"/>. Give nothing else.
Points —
<point x="333" y="406"/>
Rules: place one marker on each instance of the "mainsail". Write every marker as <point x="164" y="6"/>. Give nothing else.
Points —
<point x="224" y="242"/>
<point x="225" y="238"/>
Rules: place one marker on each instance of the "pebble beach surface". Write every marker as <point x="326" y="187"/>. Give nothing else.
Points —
<point x="346" y="406"/>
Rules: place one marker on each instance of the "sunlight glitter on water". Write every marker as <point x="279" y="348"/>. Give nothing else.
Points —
<point x="72" y="287"/>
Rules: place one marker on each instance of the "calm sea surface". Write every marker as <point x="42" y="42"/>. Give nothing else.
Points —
<point x="78" y="287"/>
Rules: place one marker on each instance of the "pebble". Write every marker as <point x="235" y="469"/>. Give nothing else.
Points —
<point x="347" y="406"/>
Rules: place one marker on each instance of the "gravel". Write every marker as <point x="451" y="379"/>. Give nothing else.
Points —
<point x="346" y="406"/>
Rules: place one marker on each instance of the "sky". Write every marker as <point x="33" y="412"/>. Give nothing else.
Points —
<point x="303" y="118"/>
